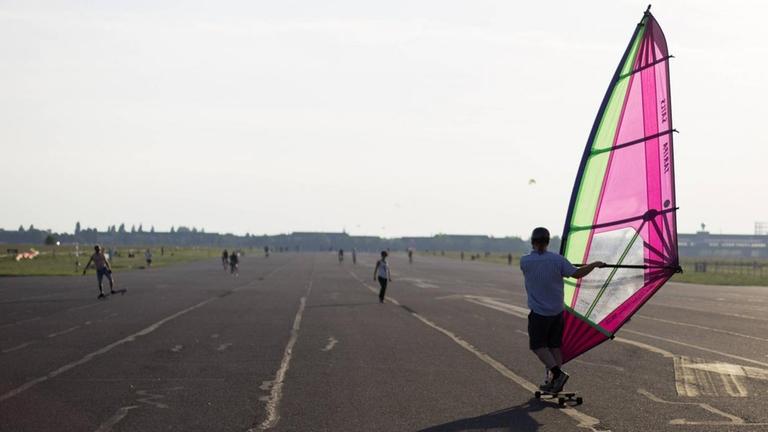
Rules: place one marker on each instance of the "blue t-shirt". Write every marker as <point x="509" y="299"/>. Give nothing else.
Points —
<point x="544" y="273"/>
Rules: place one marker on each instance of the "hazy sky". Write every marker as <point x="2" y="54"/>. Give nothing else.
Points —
<point x="386" y="118"/>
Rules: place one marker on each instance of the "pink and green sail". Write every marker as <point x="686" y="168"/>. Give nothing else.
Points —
<point x="622" y="209"/>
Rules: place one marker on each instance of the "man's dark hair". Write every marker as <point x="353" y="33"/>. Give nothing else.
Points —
<point x="540" y="235"/>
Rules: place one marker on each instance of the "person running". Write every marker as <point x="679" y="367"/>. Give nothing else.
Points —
<point x="543" y="272"/>
<point x="102" y="269"/>
<point x="341" y="255"/>
<point x="225" y="259"/>
<point x="148" y="258"/>
<point x="234" y="260"/>
<point x="382" y="274"/>
<point x="354" y="256"/>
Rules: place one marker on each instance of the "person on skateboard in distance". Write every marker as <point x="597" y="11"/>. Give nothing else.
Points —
<point x="103" y="268"/>
<point x="544" y="272"/>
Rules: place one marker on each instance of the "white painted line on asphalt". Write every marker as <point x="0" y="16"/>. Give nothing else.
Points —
<point x="83" y="307"/>
<point x="177" y="348"/>
<point x="605" y="365"/>
<point x="19" y="322"/>
<point x="732" y="419"/>
<point x="716" y="330"/>
<point x="689" y="382"/>
<point x="583" y="420"/>
<point x="29" y="384"/>
<point x="276" y="392"/>
<point x="728" y="314"/>
<point x="492" y="303"/>
<point x="332" y="341"/>
<point x="223" y="347"/>
<point x="115" y="419"/>
<point x="701" y="348"/>
<point x="17" y="347"/>
<point x="517" y="311"/>
<point x="63" y="332"/>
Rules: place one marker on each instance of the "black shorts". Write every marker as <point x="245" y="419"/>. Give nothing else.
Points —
<point x="545" y="331"/>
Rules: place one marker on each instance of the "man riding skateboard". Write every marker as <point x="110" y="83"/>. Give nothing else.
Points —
<point x="544" y="272"/>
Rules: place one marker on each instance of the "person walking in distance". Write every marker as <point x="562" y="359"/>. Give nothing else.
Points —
<point x="102" y="269"/>
<point x="234" y="262"/>
<point x="382" y="274"/>
<point x="354" y="256"/>
<point x="225" y="259"/>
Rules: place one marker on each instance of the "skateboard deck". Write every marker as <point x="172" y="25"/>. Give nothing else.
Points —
<point x="562" y="397"/>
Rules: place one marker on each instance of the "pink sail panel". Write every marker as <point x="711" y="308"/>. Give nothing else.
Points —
<point x="622" y="209"/>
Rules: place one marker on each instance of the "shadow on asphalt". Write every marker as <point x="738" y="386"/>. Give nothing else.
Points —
<point x="517" y="418"/>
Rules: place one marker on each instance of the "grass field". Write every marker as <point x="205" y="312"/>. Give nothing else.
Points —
<point x="718" y="271"/>
<point x="61" y="260"/>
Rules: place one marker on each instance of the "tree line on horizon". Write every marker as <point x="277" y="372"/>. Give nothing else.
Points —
<point x="119" y="235"/>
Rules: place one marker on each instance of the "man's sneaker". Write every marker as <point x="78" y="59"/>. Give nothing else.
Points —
<point x="101" y="296"/>
<point x="559" y="382"/>
<point x="546" y="387"/>
<point x="112" y="291"/>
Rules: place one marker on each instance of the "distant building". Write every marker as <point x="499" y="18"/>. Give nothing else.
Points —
<point x="705" y="244"/>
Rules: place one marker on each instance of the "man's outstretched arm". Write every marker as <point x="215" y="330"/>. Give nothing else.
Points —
<point x="587" y="269"/>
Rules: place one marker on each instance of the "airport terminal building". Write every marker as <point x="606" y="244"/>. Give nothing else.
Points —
<point x="706" y="244"/>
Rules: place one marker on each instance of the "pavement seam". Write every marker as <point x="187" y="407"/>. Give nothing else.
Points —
<point x="276" y="390"/>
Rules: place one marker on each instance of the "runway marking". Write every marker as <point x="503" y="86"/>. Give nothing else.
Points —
<point x="421" y="283"/>
<point x="223" y="347"/>
<point x="148" y="399"/>
<point x="151" y="398"/>
<point x="17" y="347"/>
<point x="276" y="391"/>
<point x="29" y="384"/>
<point x="605" y="365"/>
<point x="716" y="330"/>
<point x="700" y="348"/>
<point x="732" y="419"/>
<point x="492" y="303"/>
<point x="734" y="315"/>
<point x="63" y="332"/>
<point x="115" y="419"/>
<point x="583" y="420"/>
<point x="19" y="322"/>
<point x="177" y="348"/>
<point x="215" y="336"/>
<point x="83" y="307"/>
<point x="517" y="311"/>
<point x="690" y="380"/>
<point x="332" y="341"/>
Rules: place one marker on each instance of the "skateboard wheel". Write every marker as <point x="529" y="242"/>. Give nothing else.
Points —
<point x="537" y="395"/>
<point x="579" y="400"/>
<point x="561" y="402"/>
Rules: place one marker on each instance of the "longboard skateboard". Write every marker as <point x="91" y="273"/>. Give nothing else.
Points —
<point x="562" y="397"/>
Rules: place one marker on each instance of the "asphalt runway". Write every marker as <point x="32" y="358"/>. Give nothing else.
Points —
<point x="299" y="342"/>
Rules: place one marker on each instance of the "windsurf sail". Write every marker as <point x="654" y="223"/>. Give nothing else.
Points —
<point x="622" y="208"/>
